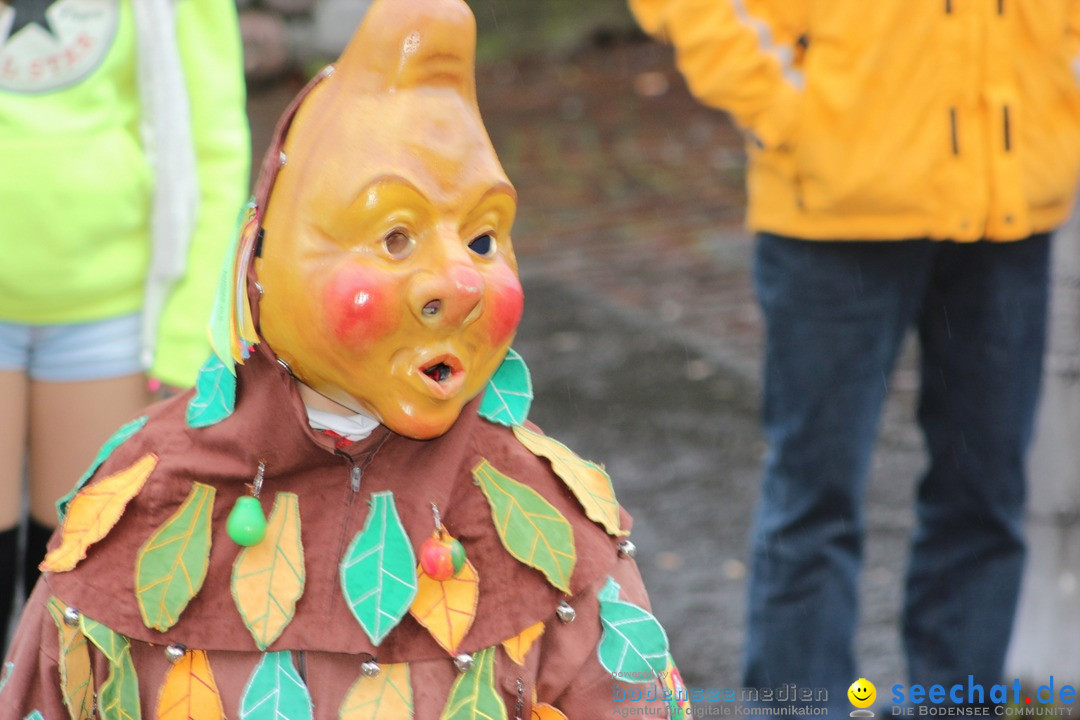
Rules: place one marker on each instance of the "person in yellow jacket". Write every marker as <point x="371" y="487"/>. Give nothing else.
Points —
<point x="907" y="164"/>
<point x="125" y="163"/>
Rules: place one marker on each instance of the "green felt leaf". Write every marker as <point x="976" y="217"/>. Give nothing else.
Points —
<point x="276" y="691"/>
<point x="118" y="698"/>
<point x="36" y="715"/>
<point x="610" y="591"/>
<point x="473" y="694"/>
<point x="118" y="438"/>
<point x="378" y="571"/>
<point x="509" y="393"/>
<point x="172" y="563"/>
<point x="215" y="395"/>
<point x="633" y="646"/>
<point x="9" y="667"/>
<point x="530" y="527"/>
<point x="221" y="314"/>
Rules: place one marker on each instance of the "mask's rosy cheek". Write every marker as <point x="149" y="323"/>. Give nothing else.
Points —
<point x="359" y="305"/>
<point x="507" y="303"/>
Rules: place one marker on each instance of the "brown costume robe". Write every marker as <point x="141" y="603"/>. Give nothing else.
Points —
<point x="269" y="425"/>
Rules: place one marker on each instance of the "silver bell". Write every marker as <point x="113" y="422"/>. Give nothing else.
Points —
<point x="71" y="617"/>
<point x="463" y="662"/>
<point x="174" y="652"/>
<point x="627" y="549"/>
<point x="370" y="668"/>
<point x="565" y="612"/>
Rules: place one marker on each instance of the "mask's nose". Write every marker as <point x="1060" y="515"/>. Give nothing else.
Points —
<point x="448" y="298"/>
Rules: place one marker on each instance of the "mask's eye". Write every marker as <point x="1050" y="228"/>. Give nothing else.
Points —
<point x="483" y="245"/>
<point x="398" y="243"/>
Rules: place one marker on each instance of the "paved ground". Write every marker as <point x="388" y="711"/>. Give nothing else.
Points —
<point x="643" y="337"/>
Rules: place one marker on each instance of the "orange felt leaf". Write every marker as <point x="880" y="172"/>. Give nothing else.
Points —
<point x="76" y="673"/>
<point x="543" y="711"/>
<point x="189" y="690"/>
<point x="268" y="578"/>
<point x="447" y="608"/>
<point x="518" y="646"/>
<point x="94" y="511"/>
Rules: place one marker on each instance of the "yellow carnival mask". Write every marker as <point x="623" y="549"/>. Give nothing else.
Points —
<point x="389" y="281"/>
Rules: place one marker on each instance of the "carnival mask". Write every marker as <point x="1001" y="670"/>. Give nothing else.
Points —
<point x="389" y="281"/>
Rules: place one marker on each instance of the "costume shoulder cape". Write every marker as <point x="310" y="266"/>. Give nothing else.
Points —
<point x="144" y="548"/>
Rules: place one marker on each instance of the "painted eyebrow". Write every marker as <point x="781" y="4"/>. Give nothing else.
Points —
<point x="381" y="181"/>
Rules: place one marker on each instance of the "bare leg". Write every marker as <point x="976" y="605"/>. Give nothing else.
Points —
<point x="69" y="422"/>
<point x="13" y="398"/>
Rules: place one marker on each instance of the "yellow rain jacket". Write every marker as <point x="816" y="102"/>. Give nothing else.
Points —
<point x="891" y="119"/>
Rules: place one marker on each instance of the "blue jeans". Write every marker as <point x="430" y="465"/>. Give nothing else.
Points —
<point x="835" y="316"/>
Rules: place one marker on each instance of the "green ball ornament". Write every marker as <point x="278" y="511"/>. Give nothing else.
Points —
<point x="246" y="524"/>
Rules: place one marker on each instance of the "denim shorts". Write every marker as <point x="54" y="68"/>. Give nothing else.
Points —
<point x="96" y="350"/>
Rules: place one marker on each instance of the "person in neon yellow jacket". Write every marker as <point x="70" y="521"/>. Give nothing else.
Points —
<point x="125" y="162"/>
<point x="907" y="163"/>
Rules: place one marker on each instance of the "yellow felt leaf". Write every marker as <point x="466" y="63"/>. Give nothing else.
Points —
<point x="387" y="696"/>
<point x="94" y="511"/>
<point x="447" y="608"/>
<point x="587" y="480"/>
<point x="543" y="711"/>
<point x="268" y="578"/>
<point x="189" y="690"/>
<point x="76" y="673"/>
<point x="518" y="646"/>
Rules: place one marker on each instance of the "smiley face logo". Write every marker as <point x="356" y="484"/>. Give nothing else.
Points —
<point x="862" y="693"/>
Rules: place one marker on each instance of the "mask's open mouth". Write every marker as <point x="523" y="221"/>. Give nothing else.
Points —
<point x="444" y="376"/>
<point x="439" y="372"/>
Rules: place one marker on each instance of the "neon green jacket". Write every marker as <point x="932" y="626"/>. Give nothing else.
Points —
<point x="76" y="187"/>
<point x="891" y="119"/>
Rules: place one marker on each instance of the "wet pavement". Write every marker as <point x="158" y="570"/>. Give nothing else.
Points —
<point x="644" y="340"/>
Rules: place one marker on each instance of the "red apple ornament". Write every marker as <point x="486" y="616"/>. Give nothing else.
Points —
<point x="441" y="556"/>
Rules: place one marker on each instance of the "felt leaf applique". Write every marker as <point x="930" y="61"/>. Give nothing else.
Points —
<point x="35" y="715"/>
<point x="268" y="578"/>
<point x="447" y="608"/>
<point x="531" y="529"/>
<point x="678" y="700"/>
<point x="231" y="328"/>
<point x="632" y="645"/>
<point x="9" y="667"/>
<point x="76" y="673"/>
<point x="543" y="711"/>
<point x="473" y="695"/>
<point x="118" y="438"/>
<point x="190" y="691"/>
<point x="518" y="646"/>
<point x="610" y="591"/>
<point x="118" y="698"/>
<point x="215" y="395"/>
<point x="387" y="696"/>
<point x="509" y="392"/>
<point x="94" y="511"/>
<point x="276" y="691"/>
<point x="378" y="576"/>
<point x="172" y="563"/>
<point x="588" y="481"/>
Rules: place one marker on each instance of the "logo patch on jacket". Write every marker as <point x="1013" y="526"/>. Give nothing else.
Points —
<point x="50" y="44"/>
